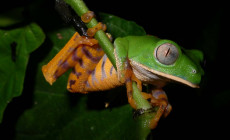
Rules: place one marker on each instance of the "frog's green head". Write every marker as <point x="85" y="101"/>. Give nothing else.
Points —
<point x="166" y="59"/>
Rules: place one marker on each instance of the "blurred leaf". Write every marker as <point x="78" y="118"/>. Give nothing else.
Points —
<point x="53" y="117"/>
<point x="57" y="114"/>
<point x="11" y="17"/>
<point x="15" y="47"/>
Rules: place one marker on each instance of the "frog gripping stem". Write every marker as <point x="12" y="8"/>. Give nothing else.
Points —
<point x="86" y="18"/>
<point x="92" y="31"/>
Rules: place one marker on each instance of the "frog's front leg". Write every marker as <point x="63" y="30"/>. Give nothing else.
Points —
<point x="129" y="77"/>
<point x="124" y="69"/>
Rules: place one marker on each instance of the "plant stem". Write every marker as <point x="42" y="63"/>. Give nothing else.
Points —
<point x="140" y="101"/>
<point x="80" y="8"/>
<point x="144" y="119"/>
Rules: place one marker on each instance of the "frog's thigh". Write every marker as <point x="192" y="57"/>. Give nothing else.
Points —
<point x="102" y="77"/>
<point x="78" y="77"/>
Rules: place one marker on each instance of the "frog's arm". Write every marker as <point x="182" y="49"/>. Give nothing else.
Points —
<point x="121" y="53"/>
<point x="124" y="69"/>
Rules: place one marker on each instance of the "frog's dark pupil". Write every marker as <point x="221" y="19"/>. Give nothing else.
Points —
<point x="168" y="51"/>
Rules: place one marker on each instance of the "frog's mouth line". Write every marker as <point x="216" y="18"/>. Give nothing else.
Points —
<point x="171" y="77"/>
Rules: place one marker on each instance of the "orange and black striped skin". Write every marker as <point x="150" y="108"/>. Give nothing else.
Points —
<point x="92" y="73"/>
<point x="63" y="60"/>
<point x="91" y="69"/>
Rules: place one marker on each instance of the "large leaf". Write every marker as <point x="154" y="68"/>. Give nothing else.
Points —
<point x="15" y="47"/>
<point x="119" y="27"/>
<point x="57" y="114"/>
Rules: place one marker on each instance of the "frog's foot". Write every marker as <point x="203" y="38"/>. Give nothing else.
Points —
<point x="92" y="31"/>
<point x="147" y="96"/>
<point x="139" y="83"/>
<point x="159" y="98"/>
<point x="87" y="17"/>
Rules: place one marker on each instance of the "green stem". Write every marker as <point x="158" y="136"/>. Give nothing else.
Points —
<point x="80" y="8"/>
<point x="140" y="101"/>
<point x="143" y="120"/>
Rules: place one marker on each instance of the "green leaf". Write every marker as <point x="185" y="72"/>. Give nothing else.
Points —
<point x="57" y="114"/>
<point x="15" y="47"/>
<point x="119" y="27"/>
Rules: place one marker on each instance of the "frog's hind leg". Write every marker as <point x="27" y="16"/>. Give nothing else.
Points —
<point x="63" y="60"/>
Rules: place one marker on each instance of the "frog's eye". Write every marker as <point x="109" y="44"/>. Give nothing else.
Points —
<point x="167" y="53"/>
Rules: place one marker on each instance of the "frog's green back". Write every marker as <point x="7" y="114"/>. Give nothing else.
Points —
<point x="141" y="44"/>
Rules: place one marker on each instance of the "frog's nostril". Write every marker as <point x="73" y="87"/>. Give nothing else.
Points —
<point x="193" y="71"/>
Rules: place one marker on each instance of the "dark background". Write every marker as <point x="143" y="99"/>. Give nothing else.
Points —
<point x="197" y="113"/>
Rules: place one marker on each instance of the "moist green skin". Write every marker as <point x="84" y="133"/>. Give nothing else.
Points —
<point x="141" y="50"/>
